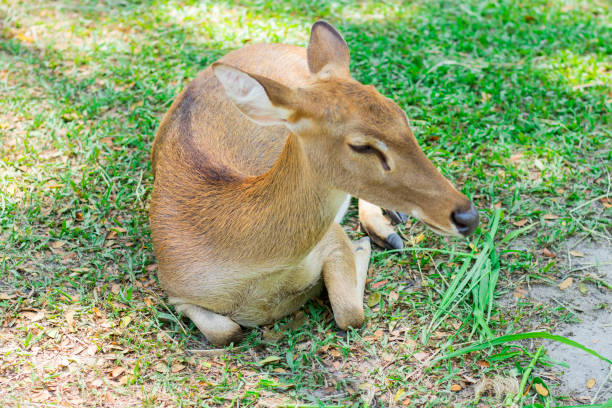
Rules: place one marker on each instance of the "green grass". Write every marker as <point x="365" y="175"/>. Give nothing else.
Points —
<point x="513" y="102"/>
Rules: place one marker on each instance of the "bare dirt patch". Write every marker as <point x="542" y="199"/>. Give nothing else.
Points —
<point x="588" y="297"/>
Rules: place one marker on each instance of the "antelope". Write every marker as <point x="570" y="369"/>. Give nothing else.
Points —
<point x="255" y="163"/>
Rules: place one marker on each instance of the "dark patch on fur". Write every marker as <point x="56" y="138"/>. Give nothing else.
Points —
<point x="198" y="160"/>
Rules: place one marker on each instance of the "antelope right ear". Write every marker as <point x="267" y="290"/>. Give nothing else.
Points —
<point x="327" y="52"/>
<point x="261" y="99"/>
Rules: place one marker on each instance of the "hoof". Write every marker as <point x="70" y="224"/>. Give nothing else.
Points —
<point x="397" y="217"/>
<point x="394" y="241"/>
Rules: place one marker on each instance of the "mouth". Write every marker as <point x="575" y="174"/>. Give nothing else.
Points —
<point x="441" y="231"/>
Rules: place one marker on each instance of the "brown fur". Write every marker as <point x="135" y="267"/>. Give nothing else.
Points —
<point x="242" y="214"/>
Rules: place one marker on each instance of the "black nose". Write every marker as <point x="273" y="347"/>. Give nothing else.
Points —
<point x="465" y="221"/>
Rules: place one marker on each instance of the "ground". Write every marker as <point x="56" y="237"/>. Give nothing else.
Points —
<point x="512" y="101"/>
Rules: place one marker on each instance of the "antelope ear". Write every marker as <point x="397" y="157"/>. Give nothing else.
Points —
<point x="327" y="52"/>
<point x="261" y="99"/>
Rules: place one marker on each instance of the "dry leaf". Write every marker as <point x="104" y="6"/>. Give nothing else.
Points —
<point x="520" y="223"/>
<point x="57" y="244"/>
<point x="483" y="363"/>
<point x="34" y="316"/>
<point x="421" y="356"/>
<point x="117" y="371"/>
<point x="25" y="38"/>
<point x="151" y="268"/>
<point x="6" y="296"/>
<point x="268" y="360"/>
<point x="540" y="389"/>
<point x="590" y="383"/>
<point x="379" y="284"/>
<point x="123" y="380"/>
<point x="373" y="299"/>
<point x="456" y="387"/>
<point x="583" y="288"/>
<point x="520" y="292"/>
<point x="566" y="283"/>
<point x="550" y="216"/>
<point x="577" y="254"/>
<point x="548" y="253"/>
<point x="161" y="368"/>
<point x="69" y="316"/>
<point x="393" y="296"/>
<point x="399" y="394"/>
<point x="91" y="350"/>
<point x="516" y="157"/>
<point x="176" y="367"/>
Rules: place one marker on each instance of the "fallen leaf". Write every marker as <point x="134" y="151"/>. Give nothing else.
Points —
<point x="91" y="350"/>
<point x="550" y="216"/>
<point x="421" y="356"/>
<point x="590" y="383"/>
<point x="456" y="387"/>
<point x="399" y="394"/>
<point x="97" y="382"/>
<point x="516" y="157"/>
<point x="520" y="292"/>
<point x="379" y="284"/>
<point x="34" y="316"/>
<point x="151" y="268"/>
<point x="373" y="299"/>
<point x="583" y="288"/>
<point x="393" y="296"/>
<point x="107" y="141"/>
<point x="548" y="253"/>
<point x="6" y="296"/>
<point x="117" y="371"/>
<point x="268" y="360"/>
<point x="176" y="367"/>
<point x="57" y="244"/>
<point x="540" y="389"/>
<point x="577" y="254"/>
<point x="161" y="368"/>
<point x="520" y="223"/>
<point x="483" y="363"/>
<point x="25" y="38"/>
<point x="69" y="316"/>
<point x="124" y="380"/>
<point x="566" y="283"/>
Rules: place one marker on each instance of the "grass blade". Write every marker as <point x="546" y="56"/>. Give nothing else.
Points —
<point x="521" y="336"/>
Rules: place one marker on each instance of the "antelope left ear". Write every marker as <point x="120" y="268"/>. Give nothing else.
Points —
<point x="261" y="99"/>
<point x="327" y="52"/>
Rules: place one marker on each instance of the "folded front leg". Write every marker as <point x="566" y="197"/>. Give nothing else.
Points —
<point x="378" y="227"/>
<point x="344" y="273"/>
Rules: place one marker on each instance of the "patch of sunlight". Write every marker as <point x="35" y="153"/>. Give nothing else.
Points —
<point x="236" y="25"/>
<point x="378" y="11"/>
<point x="581" y="6"/>
<point x="580" y="71"/>
<point x="63" y="29"/>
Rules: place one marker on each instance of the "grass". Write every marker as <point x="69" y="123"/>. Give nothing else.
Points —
<point x="512" y="102"/>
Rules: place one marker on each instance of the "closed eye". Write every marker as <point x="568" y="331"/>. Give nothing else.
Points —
<point x="368" y="149"/>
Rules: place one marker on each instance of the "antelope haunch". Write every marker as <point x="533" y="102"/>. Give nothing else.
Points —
<point x="254" y="165"/>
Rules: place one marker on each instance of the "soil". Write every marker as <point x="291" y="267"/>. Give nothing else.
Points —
<point x="591" y="325"/>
